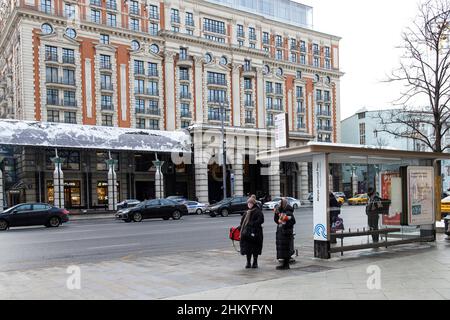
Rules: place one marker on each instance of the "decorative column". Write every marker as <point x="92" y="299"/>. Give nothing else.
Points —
<point x="303" y="181"/>
<point x="236" y="90"/>
<point x="274" y="179"/>
<point x="159" y="179"/>
<point x="238" y="175"/>
<point x="170" y="91"/>
<point x="201" y="182"/>
<point x="199" y="112"/>
<point x="354" y="181"/>
<point x="260" y="98"/>
<point x="330" y="182"/>
<point x="58" y="182"/>
<point x="112" y="185"/>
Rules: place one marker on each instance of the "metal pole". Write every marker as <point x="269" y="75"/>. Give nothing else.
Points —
<point x="224" y="153"/>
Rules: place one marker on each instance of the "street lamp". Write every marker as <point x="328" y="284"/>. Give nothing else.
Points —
<point x="222" y="104"/>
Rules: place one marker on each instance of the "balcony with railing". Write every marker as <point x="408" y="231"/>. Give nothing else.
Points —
<point x="106" y="87"/>
<point x="51" y="57"/>
<point x="190" y="22"/>
<point x="66" y="59"/>
<point x="216" y="115"/>
<point x="184" y="77"/>
<point x="97" y="3"/>
<point x="325" y="128"/>
<point x="146" y="92"/>
<point x="48" y="9"/>
<point x="217" y="82"/>
<point x="105" y="65"/>
<point x="324" y="113"/>
<point x="301" y="110"/>
<point x="275" y="108"/>
<point x="61" y="81"/>
<point x="139" y="72"/>
<point x="61" y="102"/>
<point x="107" y="107"/>
<point x="249" y="104"/>
<point x="152" y="73"/>
<point x="186" y="114"/>
<point x="185" y="96"/>
<point x="250" y="120"/>
<point x="240" y="34"/>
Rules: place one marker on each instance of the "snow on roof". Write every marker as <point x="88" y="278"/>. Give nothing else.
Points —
<point x="345" y="145"/>
<point x="27" y="133"/>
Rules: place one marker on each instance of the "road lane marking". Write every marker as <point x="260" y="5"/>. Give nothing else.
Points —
<point x="115" y="246"/>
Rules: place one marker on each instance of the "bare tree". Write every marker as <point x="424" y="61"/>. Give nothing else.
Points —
<point x="425" y="73"/>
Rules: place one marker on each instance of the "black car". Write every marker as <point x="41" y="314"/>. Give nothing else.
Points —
<point x="235" y="205"/>
<point x="33" y="214"/>
<point x="152" y="209"/>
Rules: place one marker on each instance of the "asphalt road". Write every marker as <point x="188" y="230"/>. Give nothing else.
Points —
<point x="93" y="241"/>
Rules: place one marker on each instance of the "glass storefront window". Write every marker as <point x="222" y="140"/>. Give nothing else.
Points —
<point x="101" y="160"/>
<point x="71" y="159"/>
<point x="72" y="193"/>
<point x="102" y="192"/>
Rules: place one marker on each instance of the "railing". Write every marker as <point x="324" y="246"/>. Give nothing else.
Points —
<point x="152" y="73"/>
<point x="53" y="57"/>
<point x="250" y="121"/>
<point x="185" y="95"/>
<point x="153" y="111"/>
<point x="190" y="23"/>
<point x="324" y="113"/>
<point x="325" y="128"/>
<point x="269" y="90"/>
<point x="154" y="15"/>
<point x="105" y="86"/>
<point x="185" y="114"/>
<point x="105" y="65"/>
<point x="175" y="19"/>
<point x="139" y="71"/>
<point x="62" y="103"/>
<point x="301" y="126"/>
<point x="61" y="81"/>
<point x="146" y="92"/>
<point x="301" y="110"/>
<point x="217" y="82"/>
<point x="184" y="78"/>
<point x="319" y="98"/>
<point x="249" y="104"/>
<point x="252" y="37"/>
<point x="217" y="117"/>
<point x="68" y="59"/>
<point x="107" y="107"/>
<point x="303" y="49"/>
<point x="241" y="34"/>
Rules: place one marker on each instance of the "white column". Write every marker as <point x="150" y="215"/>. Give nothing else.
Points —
<point x="1" y="191"/>
<point x="58" y="185"/>
<point x="201" y="182"/>
<point x="320" y="206"/>
<point x="159" y="184"/>
<point x="170" y="91"/>
<point x="274" y="179"/>
<point x="238" y="175"/>
<point x="200" y="113"/>
<point x="302" y="180"/>
<point x="112" y="188"/>
<point x="354" y="183"/>
<point x="260" y="99"/>
<point x="236" y="95"/>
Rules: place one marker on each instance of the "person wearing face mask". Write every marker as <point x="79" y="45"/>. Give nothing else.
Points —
<point x="252" y="233"/>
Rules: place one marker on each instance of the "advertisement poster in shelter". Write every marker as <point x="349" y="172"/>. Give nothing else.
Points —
<point x="420" y="196"/>
<point x="391" y="188"/>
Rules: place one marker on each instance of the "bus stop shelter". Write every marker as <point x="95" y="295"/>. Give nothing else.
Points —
<point x="407" y="180"/>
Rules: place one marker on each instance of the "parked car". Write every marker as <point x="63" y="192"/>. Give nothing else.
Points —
<point x="33" y="214"/>
<point x="445" y="205"/>
<point x="179" y="199"/>
<point x="294" y="203"/>
<point x="195" y="207"/>
<point x="153" y="209"/>
<point x="340" y="196"/>
<point x="127" y="204"/>
<point x="360" y="199"/>
<point x="235" y="205"/>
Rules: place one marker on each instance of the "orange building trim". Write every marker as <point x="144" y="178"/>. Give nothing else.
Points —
<point x="123" y="57"/>
<point x="309" y="104"/>
<point x="162" y="16"/>
<point x="87" y="51"/>
<point x="289" y="87"/>
<point x="333" y="57"/>
<point x="37" y="78"/>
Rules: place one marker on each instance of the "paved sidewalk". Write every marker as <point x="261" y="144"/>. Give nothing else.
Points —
<point x="96" y="216"/>
<point x="411" y="272"/>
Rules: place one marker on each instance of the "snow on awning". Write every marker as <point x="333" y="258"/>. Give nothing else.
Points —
<point x="42" y="134"/>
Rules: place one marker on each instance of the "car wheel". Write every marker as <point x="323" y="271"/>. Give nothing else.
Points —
<point x="137" y="217"/>
<point x="3" y="225"/>
<point x="54" y="222"/>
<point x="176" y="215"/>
<point x="225" y="213"/>
<point x="199" y="211"/>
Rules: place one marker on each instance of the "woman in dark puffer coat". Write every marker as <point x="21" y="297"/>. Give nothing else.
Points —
<point x="252" y="233"/>
<point x="284" y="218"/>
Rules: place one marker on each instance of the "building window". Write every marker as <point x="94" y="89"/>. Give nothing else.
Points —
<point x="106" y="103"/>
<point x="69" y="99"/>
<point x="71" y="33"/>
<point x="51" y="74"/>
<point x="214" y="26"/>
<point x="152" y="88"/>
<point x="252" y="34"/>
<point x="153" y="29"/>
<point x="327" y="64"/>
<point x="302" y="59"/>
<point x="154" y="48"/>
<point x="362" y="134"/>
<point x="70" y="117"/>
<point x="105" y="62"/>
<point x="51" y="53"/>
<point x="175" y="29"/>
<point x="190" y="32"/>
<point x="247" y="65"/>
<point x="293" y="57"/>
<point x="107" y="120"/>
<point x="279" y="41"/>
<point x="266" y="39"/>
<point x="185" y="110"/>
<point x="68" y="56"/>
<point x="134" y="7"/>
<point x="240" y="43"/>
<point x="135" y="45"/>
<point x="52" y="116"/>
<point x="138" y="67"/>
<point x="327" y="52"/>
<point x="140" y="123"/>
<point x="217" y="78"/>
<point x="279" y="55"/>
<point x="299" y="92"/>
<point x="183" y="54"/>
<point x="278" y="88"/>
<point x="46" y="6"/>
<point x="299" y="74"/>
<point x="190" y="19"/>
<point x="175" y="16"/>
<point x="216" y="96"/>
<point x="104" y="39"/>
<point x="139" y="86"/>
<point x="111" y="5"/>
<point x="240" y="31"/>
<point x="247" y="84"/>
<point x="134" y="24"/>
<point x="154" y="12"/>
<point x="184" y="74"/>
<point x="153" y="124"/>
<point x="105" y="82"/>
<point x="68" y="77"/>
<point x="69" y="11"/>
<point x="95" y="16"/>
<point x="316" y="62"/>
<point x="316" y="49"/>
<point x="46" y="28"/>
<point x="111" y="20"/>
<point x="293" y="44"/>
<point x="52" y="97"/>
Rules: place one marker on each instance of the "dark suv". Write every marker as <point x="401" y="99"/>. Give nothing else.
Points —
<point x="235" y="205"/>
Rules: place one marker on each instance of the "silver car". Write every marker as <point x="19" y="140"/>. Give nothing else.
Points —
<point x="195" y="207"/>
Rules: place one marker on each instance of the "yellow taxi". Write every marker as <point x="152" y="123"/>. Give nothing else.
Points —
<point x="360" y="199"/>
<point x="445" y="205"/>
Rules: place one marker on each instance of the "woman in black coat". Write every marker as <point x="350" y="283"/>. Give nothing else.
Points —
<point x="284" y="218"/>
<point x="252" y="233"/>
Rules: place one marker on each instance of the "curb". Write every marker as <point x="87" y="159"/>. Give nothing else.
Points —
<point x="84" y="218"/>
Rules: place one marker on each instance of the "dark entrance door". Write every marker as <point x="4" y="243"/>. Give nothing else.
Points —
<point x="145" y="190"/>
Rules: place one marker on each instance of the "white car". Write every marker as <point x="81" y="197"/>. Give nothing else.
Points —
<point x="294" y="203"/>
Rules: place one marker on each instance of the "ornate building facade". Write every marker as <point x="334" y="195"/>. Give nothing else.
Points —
<point x="170" y="65"/>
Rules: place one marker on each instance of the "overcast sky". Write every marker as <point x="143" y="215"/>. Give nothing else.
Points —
<point x="370" y="31"/>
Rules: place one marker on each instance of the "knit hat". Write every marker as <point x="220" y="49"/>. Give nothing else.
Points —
<point x="251" y="200"/>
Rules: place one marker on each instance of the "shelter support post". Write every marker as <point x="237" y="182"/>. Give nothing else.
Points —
<point x="320" y="206"/>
